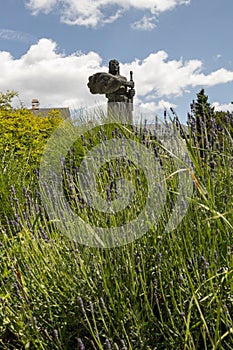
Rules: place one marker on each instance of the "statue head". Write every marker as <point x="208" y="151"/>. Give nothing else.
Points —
<point x="114" y="68"/>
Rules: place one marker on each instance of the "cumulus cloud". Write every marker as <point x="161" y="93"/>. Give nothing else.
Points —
<point x="157" y="75"/>
<point x="57" y="79"/>
<point x="161" y="105"/>
<point x="220" y="76"/>
<point x="92" y="13"/>
<point x="53" y="78"/>
<point x="223" y="107"/>
<point x="37" y="6"/>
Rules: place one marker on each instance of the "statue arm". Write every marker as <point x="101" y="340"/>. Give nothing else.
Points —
<point x="105" y="83"/>
<point x="102" y="83"/>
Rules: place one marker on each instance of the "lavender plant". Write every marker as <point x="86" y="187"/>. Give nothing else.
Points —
<point x="166" y="290"/>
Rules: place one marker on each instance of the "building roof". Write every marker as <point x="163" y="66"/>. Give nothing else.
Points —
<point x="43" y="112"/>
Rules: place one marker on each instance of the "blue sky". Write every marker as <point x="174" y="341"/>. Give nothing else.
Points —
<point x="48" y="48"/>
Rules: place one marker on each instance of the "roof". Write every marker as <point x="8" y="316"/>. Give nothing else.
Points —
<point x="65" y="112"/>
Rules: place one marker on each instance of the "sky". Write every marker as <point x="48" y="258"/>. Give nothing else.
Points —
<point x="49" y="48"/>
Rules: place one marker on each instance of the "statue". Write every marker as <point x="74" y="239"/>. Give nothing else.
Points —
<point x="118" y="90"/>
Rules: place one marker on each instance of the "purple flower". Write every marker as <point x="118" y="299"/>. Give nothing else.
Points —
<point x="159" y="259"/>
<point x="205" y="263"/>
<point x="13" y="190"/>
<point x="57" y="337"/>
<point x="81" y="304"/>
<point x="35" y="323"/>
<point x="108" y="344"/>
<point x="91" y="308"/>
<point x="80" y="344"/>
<point x="124" y="346"/>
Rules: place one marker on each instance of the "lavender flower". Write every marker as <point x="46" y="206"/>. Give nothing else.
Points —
<point x="205" y="263"/>
<point x="13" y="190"/>
<point x="7" y="220"/>
<point x="91" y="308"/>
<point x="35" y="323"/>
<point x="17" y="290"/>
<point x="108" y="193"/>
<point x="57" y="337"/>
<point x="116" y="132"/>
<point x="103" y="303"/>
<point x="91" y="141"/>
<point x="24" y="191"/>
<point x="36" y="171"/>
<point x="83" y="140"/>
<point x="180" y="280"/>
<point x="80" y="344"/>
<point x="26" y="217"/>
<point x="18" y="220"/>
<point x="108" y="344"/>
<point x="29" y="270"/>
<point x="159" y="259"/>
<point x="38" y="195"/>
<point x="43" y="234"/>
<point x="124" y="346"/>
<point x="81" y="304"/>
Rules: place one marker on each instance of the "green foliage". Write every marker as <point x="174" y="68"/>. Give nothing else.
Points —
<point x="202" y="114"/>
<point x="208" y="127"/>
<point x="202" y="108"/>
<point x="23" y="137"/>
<point x="6" y="99"/>
<point x="25" y="134"/>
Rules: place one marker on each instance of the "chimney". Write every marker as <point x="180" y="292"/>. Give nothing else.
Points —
<point x="35" y="104"/>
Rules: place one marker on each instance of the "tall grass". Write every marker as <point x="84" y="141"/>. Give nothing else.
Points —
<point x="165" y="290"/>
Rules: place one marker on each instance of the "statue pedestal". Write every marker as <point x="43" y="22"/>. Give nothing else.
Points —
<point x="120" y="112"/>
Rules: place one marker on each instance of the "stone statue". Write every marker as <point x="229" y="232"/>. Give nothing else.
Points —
<point x="118" y="90"/>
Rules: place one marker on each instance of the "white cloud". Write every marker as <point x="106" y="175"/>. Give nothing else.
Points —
<point x="145" y="23"/>
<point x="220" y="76"/>
<point x="161" y="105"/>
<point x="9" y="34"/>
<point x="37" y="6"/>
<point x="98" y="12"/>
<point x="217" y="57"/>
<point x="53" y="78"/>
<point x="158" y="76"/>
<point x="223" y="107"/>
<point x="57" y="79"/>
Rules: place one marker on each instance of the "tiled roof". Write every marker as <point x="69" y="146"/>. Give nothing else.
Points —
<point x="65" y="112"/>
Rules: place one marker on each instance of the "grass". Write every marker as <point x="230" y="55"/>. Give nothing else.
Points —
<point x="164" y="290"/>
